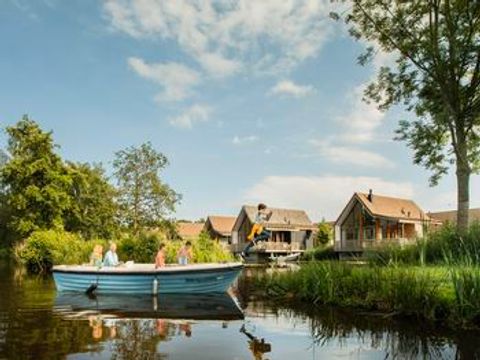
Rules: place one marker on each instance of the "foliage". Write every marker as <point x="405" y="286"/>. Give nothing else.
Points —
<point x="324" y="233"/>
<point x="143" y="248"/>
<point x="35" y="180"/>
<point x="144" y="199"/>
<point x="443" y="246"/>
<point x="45" y="248"/>
<point x="93" y="208"/>
<point x="435" y="75"/>
<point x="449" y="294"/>
<point x="320" y="253"/>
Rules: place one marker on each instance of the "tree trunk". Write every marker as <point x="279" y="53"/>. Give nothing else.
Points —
<point x="463" y="197"/>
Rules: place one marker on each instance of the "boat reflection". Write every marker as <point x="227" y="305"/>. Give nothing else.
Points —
<point x="169" y="306"/>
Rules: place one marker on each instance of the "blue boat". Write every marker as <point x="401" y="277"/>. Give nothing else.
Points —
<point x="145" y="279"/>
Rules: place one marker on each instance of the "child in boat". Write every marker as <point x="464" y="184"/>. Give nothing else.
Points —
<point x="111" y="257"/>
<point x="97" y="256"/>
<point x="258" y="232"/>
<point x="160" y="258"/>
<point x="184" y="254"/>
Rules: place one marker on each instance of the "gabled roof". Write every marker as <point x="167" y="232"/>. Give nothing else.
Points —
<point x="222" y="224"/>
<point x="186" y="229"/>
<point x="288" y="219"/>
<point x="388" y="207"/>
<point x="451" y="216"/>
<point x="392" y="207"/>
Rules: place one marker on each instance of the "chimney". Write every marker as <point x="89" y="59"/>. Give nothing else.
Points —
<point x="370" y="195"/>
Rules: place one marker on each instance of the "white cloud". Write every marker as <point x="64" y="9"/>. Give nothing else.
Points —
<point x="267" y="35"/>
<point x="350" y="155"/>
<point x="320" y="196"/>
<point x="188" y="118"/>
<point x="289" y="88"/>
<point x="176" y="79"/>
<point x="237" y="140"/>
<point x="361" y="122"/>
<point x="218" y="66"/>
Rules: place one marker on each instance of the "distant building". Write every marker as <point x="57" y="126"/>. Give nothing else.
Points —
<point x="220" y="228"/>
<point x="291" y="231"/>
<point x="369" y="220"/>
<point x="451" y="216"/>
<point x="188" y="230"/>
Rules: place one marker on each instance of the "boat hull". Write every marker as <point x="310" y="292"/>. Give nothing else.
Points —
<point x="144" y="279"/>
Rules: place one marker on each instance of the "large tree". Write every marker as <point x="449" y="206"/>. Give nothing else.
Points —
<point x="36" y="183"/>
<point x="93" y="207"/>
<point x="144" y="199"/>
<point x="436" y="76"/>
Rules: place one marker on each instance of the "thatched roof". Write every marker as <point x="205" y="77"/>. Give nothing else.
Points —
<point x="451" y="216"/>
<point x="288" y="219"/>
<point x="222" y="224"/>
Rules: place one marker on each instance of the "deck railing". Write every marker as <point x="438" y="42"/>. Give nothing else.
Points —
<point x="358" y="245"/>
<point x="270" y="246"/>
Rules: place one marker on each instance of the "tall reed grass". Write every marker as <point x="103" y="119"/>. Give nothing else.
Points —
<point x="433" y="293"/>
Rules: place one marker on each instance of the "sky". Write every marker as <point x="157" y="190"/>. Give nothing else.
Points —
<point x="251" y="101"/>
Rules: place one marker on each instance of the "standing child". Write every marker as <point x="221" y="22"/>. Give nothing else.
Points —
<point x="160" y="258"/>
<point x="184" y="254"/>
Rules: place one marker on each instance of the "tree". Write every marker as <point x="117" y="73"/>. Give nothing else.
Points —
<point x="436" y="46"/>
<point x="324" y="233"/>
<point x="93" y="208"/>
<point x="34" y="179"/>
<point x="143" y="198"/>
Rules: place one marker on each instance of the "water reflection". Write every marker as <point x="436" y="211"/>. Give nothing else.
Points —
<point x="184" y="306"/>
<point x="38" y="323"/>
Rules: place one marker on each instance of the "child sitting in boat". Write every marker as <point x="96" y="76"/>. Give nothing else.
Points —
<point x="258" y="232"/>
<point x="97" y="256"/>
<point x="160" y="258"/>
<point x="184" y="254"/>
<point x="111" y="257"/>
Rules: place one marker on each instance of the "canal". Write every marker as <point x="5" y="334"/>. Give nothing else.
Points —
<point x="38" y="323"/>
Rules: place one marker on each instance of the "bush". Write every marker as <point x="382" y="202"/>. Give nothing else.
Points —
<point x="320" y="253"/>
<point x="43" y="249"/>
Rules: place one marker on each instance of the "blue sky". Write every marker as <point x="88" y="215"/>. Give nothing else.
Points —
<point x="250" y="100"/>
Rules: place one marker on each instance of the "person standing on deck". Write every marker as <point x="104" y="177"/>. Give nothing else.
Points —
<point x="111" y="257"/>
<point x="258" y="232"/>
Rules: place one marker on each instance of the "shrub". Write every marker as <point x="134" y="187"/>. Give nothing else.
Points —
<point x="43" y="249"/>
<point x="320" y="253"/>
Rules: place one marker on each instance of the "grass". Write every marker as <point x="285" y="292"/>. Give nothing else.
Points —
<point x="437" y="293"/>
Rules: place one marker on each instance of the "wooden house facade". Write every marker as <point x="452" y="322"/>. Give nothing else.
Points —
<point x="370" y="220"/>
<point x="291" y="231"/>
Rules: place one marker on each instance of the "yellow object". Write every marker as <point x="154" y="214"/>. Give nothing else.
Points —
<point x="256" y="230"/>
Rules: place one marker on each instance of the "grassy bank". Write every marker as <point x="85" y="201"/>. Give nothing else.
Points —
<point x="441" y="293"/>
<point x="43" y="249"/>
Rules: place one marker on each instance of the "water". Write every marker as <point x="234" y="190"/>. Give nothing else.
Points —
<point x="38" y="323"/>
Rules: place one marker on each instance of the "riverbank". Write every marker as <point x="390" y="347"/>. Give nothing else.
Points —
<point x="446" y="294"/>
